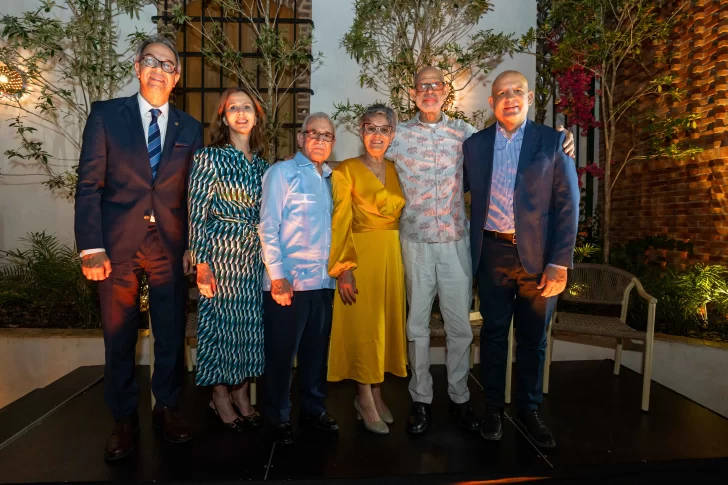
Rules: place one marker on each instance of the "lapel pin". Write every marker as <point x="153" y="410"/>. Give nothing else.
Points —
<point x="176" y="123"/>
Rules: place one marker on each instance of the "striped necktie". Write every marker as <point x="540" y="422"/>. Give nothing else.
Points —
<point x="154" y="142"/>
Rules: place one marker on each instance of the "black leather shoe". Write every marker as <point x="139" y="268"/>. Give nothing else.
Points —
<point x="172" y="424"/>
<point x="536" y="430"/>
<point x="121" y="441"/>
<point x="465" y="415"/>
<point x="491" y="427"/>
<point x="282" y="433"/>
<point x="323" y="421"/>
<point x="420" y="417"/>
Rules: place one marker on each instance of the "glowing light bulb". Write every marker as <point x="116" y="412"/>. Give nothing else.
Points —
<point x="4" y="79"/>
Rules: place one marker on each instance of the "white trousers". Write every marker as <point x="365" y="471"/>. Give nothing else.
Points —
<point x="441" y="269"/>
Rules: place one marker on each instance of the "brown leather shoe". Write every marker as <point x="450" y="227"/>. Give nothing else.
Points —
<point x="121" y="441"/>
<point x="174" y="426"/>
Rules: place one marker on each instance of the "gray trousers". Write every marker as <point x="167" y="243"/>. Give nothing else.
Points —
<point x="441" y="269"/>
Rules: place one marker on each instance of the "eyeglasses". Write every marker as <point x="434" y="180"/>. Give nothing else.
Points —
<point x="435" y="85"/>
<point x="328" y="137"/>
<point x="372" y="129"/>
<point x="151" y="61"/>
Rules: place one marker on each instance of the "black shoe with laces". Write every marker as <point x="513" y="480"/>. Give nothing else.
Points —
<point x="491" y="427"/>
<point x="465" y="416"/>
<point x="420" y="417"/>
<point x="282" y="433"/>
<point x="323" y="421"/>
<point x="536" y="430"/>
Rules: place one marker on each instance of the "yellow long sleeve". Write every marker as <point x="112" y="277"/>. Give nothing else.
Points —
<point x="343" y="252"/>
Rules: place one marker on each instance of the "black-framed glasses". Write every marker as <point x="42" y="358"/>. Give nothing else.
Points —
<point x="151" y="61"/>
<point x="316" y="135"/>
<point x="371" y="129"/>
<point x="435" y="86"/>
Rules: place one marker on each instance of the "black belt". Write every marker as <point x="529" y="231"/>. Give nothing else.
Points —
<point x="510" y="237"/>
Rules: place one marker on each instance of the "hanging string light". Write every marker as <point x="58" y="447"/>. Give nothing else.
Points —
<point x="11" y="82"/>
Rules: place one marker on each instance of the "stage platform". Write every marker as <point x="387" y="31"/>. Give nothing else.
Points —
<point x="57" y="434"/>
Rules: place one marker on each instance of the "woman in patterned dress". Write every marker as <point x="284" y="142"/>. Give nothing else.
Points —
<point x="368" y="330"/>
<point x="224" y="204"/>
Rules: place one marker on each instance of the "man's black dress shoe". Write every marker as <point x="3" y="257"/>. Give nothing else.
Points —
<point x="121" y="441"/>
<point x="420" y="417"/>
<point x="282" y="433"/>
<point x="323" y="421"/>
<point x="491" y="427"/>
<point x="465" y="415"/>
<point x="535" y="428"/>
<point x="172" y="424"/>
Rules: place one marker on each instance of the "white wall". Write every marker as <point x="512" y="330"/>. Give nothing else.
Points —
<point x="335" y="80"/>
<point x="25" y="204"/>
<point x="30" y="363"/>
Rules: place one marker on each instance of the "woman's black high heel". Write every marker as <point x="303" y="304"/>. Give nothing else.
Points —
<point x="236" y="425"/>
<point x="255" y="420"/>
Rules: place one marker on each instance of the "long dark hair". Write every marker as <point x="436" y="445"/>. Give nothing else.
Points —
<point x="220" y="133"/>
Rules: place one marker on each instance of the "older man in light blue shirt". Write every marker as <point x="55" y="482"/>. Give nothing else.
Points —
<point x="295" y="232"/>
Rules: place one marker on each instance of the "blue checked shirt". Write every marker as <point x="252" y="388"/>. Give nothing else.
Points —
<point x="506" y="152"/>
<point x="501" y="217"/>
<point x="295" y="224"/>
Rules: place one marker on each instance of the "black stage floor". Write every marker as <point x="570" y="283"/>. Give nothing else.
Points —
<point x="56" y="434"/>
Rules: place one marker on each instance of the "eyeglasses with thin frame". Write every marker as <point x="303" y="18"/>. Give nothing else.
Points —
<point x="151" y="61"/>
<point x="316" y="135"/>
<point x="371" y="129"/>
<point x="435" y="86"/>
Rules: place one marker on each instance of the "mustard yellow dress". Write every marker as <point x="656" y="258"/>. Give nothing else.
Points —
<point x="368" y="338"/>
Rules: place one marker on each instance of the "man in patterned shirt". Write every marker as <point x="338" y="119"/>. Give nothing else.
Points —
<point x="427" y="151"/>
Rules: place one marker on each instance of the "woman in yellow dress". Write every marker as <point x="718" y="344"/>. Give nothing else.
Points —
<point x="368" y="335"/>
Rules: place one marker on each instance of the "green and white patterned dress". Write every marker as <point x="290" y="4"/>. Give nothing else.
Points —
<point x="224" y="204"/>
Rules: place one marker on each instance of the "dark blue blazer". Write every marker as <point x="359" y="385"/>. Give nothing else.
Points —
<point x="115" y="190"/>
<point x="546" y="197"/>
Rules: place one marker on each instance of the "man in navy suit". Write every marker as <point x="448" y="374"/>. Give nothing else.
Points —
<point x="131" y="216"/>
<point x="524" y="214"/>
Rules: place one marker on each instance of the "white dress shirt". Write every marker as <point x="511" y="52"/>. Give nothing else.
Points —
<point x="145" y="110"/>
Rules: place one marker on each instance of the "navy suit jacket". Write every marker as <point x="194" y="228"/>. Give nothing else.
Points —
<point x="115" y="190"/>
<point x="545" y="199"/>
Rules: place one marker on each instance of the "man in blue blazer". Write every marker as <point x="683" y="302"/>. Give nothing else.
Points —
<point x="524" y="214"/>
<point x="131" y="216"/>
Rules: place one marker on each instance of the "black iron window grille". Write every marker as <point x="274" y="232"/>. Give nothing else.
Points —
<point x="201" y="82"/>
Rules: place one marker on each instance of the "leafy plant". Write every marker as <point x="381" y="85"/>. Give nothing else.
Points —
<point x="68" y="52"/>
<point x="281" y="61"/>
<point x="44" y="284"/>
<point x="606" y="38"/>
<point x="391" y="41"/>
<point x="587" y="253"/>
<point x="691" y="301"/>
<point x="46" y="280"/>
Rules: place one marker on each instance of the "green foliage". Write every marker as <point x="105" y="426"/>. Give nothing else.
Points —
<point x="68" y="53"/>
<point x="607" y="37"/>
<point x="282" y="61"/>
<point x="391" y="41"/>
<point x="691" y="300"/>
<point x="587" y="253"/>
<point x="46" y="280"/>
<point x="44" y="285"/>
<point x="639" y="255"/>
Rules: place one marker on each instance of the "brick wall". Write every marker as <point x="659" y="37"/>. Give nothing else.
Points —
<point x="685" y="199"/>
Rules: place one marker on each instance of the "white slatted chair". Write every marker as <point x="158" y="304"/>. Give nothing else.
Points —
<point x="604" y="285"/>
<point x="191" y="341"/>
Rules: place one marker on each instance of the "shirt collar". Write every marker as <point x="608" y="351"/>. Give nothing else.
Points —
<point x="145" y="107"/>
<point x="416" y="120"/>
<point x="302" y="161"/>
<point x="519" y="132"/>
